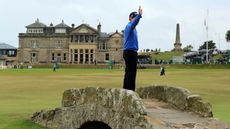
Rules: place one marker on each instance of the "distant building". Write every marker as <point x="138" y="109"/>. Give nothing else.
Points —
<point x="177" y="44"/>
<point x="71" y="45"/>
<point x="178" y="59"/>
<point x="8" y="54"/>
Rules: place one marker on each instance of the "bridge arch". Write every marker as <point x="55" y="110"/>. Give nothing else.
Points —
<point x="116" y="108"/>
<point x="94" y="125"/>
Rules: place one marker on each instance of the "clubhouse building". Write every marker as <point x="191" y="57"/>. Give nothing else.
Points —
<point x="61" y="43"/>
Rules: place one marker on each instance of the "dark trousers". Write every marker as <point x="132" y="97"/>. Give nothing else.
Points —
<point x="130" y="58"/>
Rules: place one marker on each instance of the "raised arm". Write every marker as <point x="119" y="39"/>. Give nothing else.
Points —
<point x="137" y="18"/>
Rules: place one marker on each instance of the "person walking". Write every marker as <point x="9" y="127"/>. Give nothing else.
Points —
<point x="130" y="50"/>
<point x="162" y="71"/>
<point x="54" y="67"/>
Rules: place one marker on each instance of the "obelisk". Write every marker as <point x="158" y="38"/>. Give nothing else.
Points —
<point x="177" y="44"/>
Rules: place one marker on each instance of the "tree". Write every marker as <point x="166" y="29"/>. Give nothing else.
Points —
<point x="211" y="45"/>
<point x="188" y="48"/>
<point x="228" y="36"/>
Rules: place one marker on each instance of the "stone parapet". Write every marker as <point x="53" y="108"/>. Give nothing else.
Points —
<point x="118" y="108"/>
<point x="181" y="98"/>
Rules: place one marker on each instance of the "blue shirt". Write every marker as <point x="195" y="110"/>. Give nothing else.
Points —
<point x="130" y="35"/>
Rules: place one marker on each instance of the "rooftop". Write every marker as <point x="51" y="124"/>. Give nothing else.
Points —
<point x="62" y="25"/>
<point x="37" y="24"/>
<point x="6" y="46"/>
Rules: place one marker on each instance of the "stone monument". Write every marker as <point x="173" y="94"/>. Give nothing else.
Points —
<point x="177" y="44"/>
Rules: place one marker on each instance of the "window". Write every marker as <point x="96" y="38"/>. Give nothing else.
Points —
<point x="76" y="55"/>
<point x="53" y="56"/>
<point x="76" y="58"/>
<point x="59" y="44"/>
<point x="103" y="45"/>
<point x="34" y="57"/>
<point x="11" y="53"/>
<point x="91" y="55"/>
<point x="87" y="38"/>
<point x="60" y="30"/>
<point x="58" y="57"/>
<point x="91" y="38"/>
<point x="3" y="52"/>
<point x="76" y="38"/>
<point x="91" y="58"/>
<point x="87" y="56"/>
<point x="72" y="38"/>
<point x="81" y="56"/>
<point x="107" y="56"/>
<point x="81" y="38"/>
<point x="64" y="56"/>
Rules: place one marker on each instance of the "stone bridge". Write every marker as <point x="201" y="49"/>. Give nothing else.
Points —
<point x="158" y="107"/>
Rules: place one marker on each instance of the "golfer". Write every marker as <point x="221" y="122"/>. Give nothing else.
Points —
<point x="130" y="50"/>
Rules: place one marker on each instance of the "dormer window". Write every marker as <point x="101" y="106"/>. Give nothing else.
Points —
<point x="59" y="30"/>
<point x="36" y="31"/>
<point x="36" y="27"/>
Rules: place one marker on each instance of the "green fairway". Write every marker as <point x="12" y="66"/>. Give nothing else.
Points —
<point x="25" y="91"/>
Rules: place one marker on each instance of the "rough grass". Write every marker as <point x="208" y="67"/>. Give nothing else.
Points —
<point x="23" y="92"/>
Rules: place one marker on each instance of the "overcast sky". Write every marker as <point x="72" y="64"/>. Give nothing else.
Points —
<point x="156" y="29"/>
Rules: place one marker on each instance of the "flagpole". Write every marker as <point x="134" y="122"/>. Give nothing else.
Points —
<point x="207" y="60"/>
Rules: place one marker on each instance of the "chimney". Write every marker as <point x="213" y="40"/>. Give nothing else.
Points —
<point x="73" y="25"/>
<point x="37" y="20"/>
<point x="99" y="27"/>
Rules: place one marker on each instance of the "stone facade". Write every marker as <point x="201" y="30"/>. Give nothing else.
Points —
<point x="8" y="55"/>
<point x="71" y="45"/>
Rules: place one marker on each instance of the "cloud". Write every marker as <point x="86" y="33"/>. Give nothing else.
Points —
<point x="156" y="29"/>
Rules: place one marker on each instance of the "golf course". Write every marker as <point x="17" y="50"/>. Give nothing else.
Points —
<point x="25" y="91"/>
